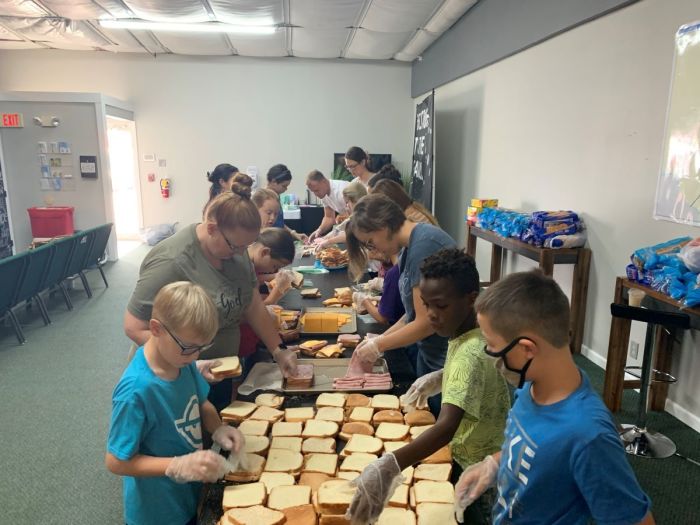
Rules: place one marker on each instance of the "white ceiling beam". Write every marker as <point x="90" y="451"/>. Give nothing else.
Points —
<point x="358" y="23"/>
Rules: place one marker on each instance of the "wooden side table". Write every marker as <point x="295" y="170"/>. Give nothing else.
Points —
<point x="615" y="382"/>
<point x="547" y="258"/>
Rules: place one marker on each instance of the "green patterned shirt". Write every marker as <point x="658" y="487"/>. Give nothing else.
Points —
<point x="472" y="383"/>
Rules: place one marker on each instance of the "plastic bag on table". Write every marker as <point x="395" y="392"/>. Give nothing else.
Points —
<point x="690" y="255"/>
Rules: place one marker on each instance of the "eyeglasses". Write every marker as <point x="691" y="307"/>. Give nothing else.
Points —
<point x="351" y="167"/>
<point x="186" y="349"/>
<point x="233" y="247"/>
<point x="511" y="345"/>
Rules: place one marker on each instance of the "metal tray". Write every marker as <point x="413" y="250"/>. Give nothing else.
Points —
<point x="348" y="328"/>
<point x="267" y="377"/>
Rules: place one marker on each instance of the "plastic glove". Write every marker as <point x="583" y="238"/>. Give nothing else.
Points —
<point x="229" y="438"/>
<point x="202" y="465"/>
<point x="283" y="280"/>
<point x="368" y="350"/>
<point x="313" y="236"/>
<point x="422" y="388"/>
<point x="376" y="284"/>
<point x="287" y="361"/>
<point x="359" y="298"/>
<point x="375" y="486"/>
<point x="473" y="483"/>
<point x="204" y="366"/>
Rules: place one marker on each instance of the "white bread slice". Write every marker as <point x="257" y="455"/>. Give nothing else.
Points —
<point x="287" y="443"/>
<point x="330" y="414"/>
<point x="392" y="431"/>
<point x="229" y="367"/>
<point x="433" y="471"/>
<point x="252" y="427"/>
<point x="244" y="495"/>
<point x="300" y="515"/>
<point x="443" y="455"/>
<point x="267" y="414"/>
<point x="419" y="418"/>
<point x="280" y="460"/>
<point x="357" y="461"/>
<point x="392" y="446"/>
<point x="318" y="445"/>
<point x="334" y="496"/>
<point x="313" y="480"/>
<point x="276" y="479"/>
<point x="320" y="428"/>
<point x="412" y="497"/>
<point x="355" y="428"/>
<point x="362" y="443"/>
<point x="417" y="431"/>
<point x="330" y="400"/>
<point x="283" y="428"/>
<point x="347" y="474"/>
<point x="256" y="444"/>
<point x="434" y="492"/>
<point x="323" y="463"/>
<point x="387" y="416"/>
<point x="283" y="497"/>
<point x="238" y="411"/>
<point x="255" y="465"/>
<point x="361" y="415"/>
<point x="302" y="414"/>
<point x="257" y="515"/>
<point x="395" y="516"/>
<point x="269" y="400"/>
<point x="400" y="497"/>
<point x="430" y="513"/>
<point x="407" y="474"/>
<point x="385" y="402"/>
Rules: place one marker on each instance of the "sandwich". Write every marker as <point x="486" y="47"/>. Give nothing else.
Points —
<point x="330" y="351"/>
<point x="303" y="379"/>
<point x="330" y="400"/>
<point x="313" y="480"/>
<point x="361" y="415"/>
<point x="318" y="445"/>
<point x="229" y="367"/>
<point x="310" y="293"/>
<point x="349" y="340"/>
<point x="357" y="461"/>
<point x="393" y="446"/>
<point x="385" y="402"/>
<point x="357" y="400"/>
<point x="283" y="428"/>
<point x="269" y="400"/>
<point x="394" y="515"/>
<point x="355" y="428"/>
<point x="434" y="492"/>
<point x="388" y="416"/>
<point x="419" y="418"/>
<point x="400" y="497"/>
<point x="297" y="279"/>
<point x="417" y="431"/>
<point x="311" y="347"/>
<point x="255" y="465"/>
<point x="267" y="414"/>
<point x="363" y="443"/>
<point x="443" y="455"/>
<point x="238" y="411"/>
<point x="256" y="445"/>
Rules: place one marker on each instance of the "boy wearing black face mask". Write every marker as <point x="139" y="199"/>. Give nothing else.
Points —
<point x="562" y="460"/>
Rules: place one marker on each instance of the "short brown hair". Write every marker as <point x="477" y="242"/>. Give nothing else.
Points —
<point x="315" y="175"/>
<point x="527" y="301"/>
<point x="354" y="191"/>
<point x="234" y="209"/>
<point x="185" y="305"/>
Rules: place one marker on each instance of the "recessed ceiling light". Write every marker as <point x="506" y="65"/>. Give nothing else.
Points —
<point x="206" y="27"/>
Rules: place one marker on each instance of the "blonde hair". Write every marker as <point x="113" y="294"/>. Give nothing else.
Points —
<point x="354" y="191"/>
<point x="183" y="305"/>
<point x="234" y="209"/>
<point x="262" y="195"/>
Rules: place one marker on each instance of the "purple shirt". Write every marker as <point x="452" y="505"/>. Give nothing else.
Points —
<point x="390" y="305"/>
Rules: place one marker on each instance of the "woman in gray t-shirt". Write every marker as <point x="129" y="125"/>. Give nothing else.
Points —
<point x="213" y="255"/>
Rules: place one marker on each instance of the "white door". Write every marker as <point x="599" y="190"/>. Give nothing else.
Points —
<point x="123" y="162"/>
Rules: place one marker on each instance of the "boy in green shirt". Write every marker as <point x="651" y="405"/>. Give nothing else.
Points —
<point x="475" y="397"/>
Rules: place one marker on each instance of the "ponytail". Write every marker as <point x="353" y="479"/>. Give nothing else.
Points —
<point x="221" y="172"/>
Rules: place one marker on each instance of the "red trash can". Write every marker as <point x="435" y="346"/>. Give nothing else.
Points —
<point x="51" y="221"/>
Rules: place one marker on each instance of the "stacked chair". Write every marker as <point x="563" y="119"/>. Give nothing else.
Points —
<point x="26" y="276"/>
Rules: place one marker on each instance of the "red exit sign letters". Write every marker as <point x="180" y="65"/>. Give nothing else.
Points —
<point x="11" y="120"/>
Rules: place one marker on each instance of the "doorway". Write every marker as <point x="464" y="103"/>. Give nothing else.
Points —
<point x="126" y="198"/>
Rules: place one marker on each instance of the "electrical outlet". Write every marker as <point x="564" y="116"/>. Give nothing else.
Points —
<point x="634" y="349"/>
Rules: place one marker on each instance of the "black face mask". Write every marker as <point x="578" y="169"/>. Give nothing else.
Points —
<point x="514" y="376"/>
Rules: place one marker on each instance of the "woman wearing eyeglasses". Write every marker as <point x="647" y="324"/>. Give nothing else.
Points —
<point x="357" y="162"/>
<point x="213" y="255"/>
<point x="378" y="223"/>
<point x="278" y="180"/>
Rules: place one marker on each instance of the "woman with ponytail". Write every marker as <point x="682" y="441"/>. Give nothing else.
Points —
<point x="357" y="162"/>
<point x="221" y="179"/>
<point x="213" y="254"/>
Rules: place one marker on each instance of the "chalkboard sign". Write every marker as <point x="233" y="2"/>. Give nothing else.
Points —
<point x="422" y="171"/>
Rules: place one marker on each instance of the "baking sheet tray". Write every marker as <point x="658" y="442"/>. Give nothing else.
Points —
<point x="267" y="376"/>
<point x="348" y="328"/>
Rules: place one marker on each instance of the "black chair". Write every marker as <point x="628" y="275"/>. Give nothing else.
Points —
<point x="637" y="438"/>
<point x="39" y="261"/>
<point x="96" y="257"/>
<point x="12" y="270"/>
<point x="62" y="250"/>
<point x="81" y="249"/>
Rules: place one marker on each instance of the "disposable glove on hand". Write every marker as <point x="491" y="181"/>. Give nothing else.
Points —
<point x="368" y="350"/>
<point x="229" y="438"/>
<point x="375" y="486"/>
<point x="287" y="361"/>
<point x="283" y="280"/>
<point x="376" y="284"/>
<point x="204" y="366"/>
<point x="473" y="482"/>
<point x="202" y="465"/>
<point x="359" y="298"/>
<point x="422" y="388"/>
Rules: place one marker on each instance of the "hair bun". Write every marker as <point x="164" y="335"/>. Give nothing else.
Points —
<point x="210" y="177"/>
<point x="242" y="185"/>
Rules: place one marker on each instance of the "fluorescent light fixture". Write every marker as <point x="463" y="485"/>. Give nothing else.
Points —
<point x="205" y="27"/>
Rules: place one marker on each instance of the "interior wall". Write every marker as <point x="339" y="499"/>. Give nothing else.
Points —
<point x="78" y="127"/>
<point x="576" y="122"/>
<point x="196" y="112"/>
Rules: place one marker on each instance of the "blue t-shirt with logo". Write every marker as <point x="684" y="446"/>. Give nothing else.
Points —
<point x="155" y="417"/>
<point x="425" y="240"/>
<point x="564" y="464"/>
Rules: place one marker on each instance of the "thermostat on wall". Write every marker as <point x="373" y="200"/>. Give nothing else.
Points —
<point x="149" y="158"/>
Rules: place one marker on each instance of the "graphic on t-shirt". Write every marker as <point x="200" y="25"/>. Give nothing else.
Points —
<point x="230" y="301"/>
<point x="190" y="426"/>
<point x="517" y="464"/>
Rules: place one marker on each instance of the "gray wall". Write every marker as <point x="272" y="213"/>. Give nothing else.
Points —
<point x="20" y="149"/>
<point x="495" y="29"/>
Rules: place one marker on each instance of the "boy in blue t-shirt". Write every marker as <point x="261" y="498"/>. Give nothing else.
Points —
<point x="159" y="408"/>
<point x="562" y="461"/>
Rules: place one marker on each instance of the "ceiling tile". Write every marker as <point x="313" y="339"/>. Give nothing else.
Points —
<point x="318" y="43"/>
<point x="324" y="13"/>
<point x="375" y="45"/>
<point x="396" y="16"/>
<point x="169" y="10"/>
<point x="248" y="12"/>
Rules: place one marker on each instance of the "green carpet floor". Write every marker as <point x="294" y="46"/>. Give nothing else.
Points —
<point x="55" y="416"/>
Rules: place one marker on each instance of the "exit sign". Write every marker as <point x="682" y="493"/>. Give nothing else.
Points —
<point x="11" y="120"/>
